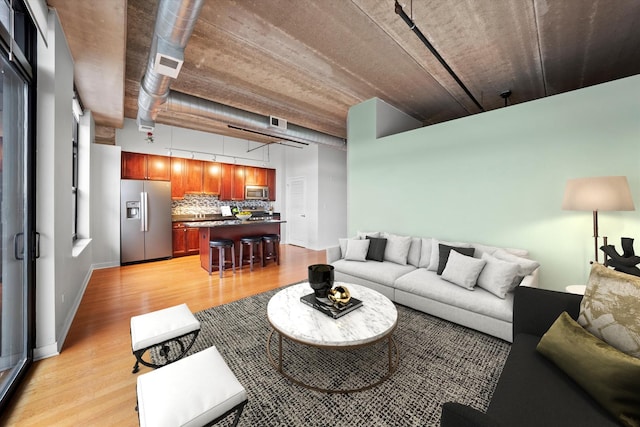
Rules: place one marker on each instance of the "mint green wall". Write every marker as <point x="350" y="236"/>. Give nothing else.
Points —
<point x="498" y="177"/>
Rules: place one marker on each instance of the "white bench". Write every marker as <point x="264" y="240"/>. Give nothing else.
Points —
<point x="159" y="328"/>
<point x="198" y="390"/>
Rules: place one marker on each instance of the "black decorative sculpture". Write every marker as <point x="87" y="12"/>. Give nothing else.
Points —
<point x="627" y="261"/>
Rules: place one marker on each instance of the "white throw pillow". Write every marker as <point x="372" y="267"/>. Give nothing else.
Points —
<point x="498" y="276"/>
<point x="425" y="253"/>
<point x="435" y="252"/>
<point x="364" y="234"/>
<point x="413" y="257"/>
<point x="357" y="250"/>
<point x="397" y="249"/>
<point x="343" y="247"/>
<point x="527" y="266"/>
<point x="462" y="270"/>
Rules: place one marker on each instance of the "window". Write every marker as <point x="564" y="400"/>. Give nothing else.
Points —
<point x="77" y="111"/>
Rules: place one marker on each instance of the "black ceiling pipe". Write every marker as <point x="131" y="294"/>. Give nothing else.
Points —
<point x="435" y="53"/>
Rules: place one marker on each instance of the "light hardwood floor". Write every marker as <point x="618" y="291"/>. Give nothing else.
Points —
<point x="90" y="383"/>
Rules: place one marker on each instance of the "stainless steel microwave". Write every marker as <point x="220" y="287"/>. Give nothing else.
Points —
<point x="256" y="192"/>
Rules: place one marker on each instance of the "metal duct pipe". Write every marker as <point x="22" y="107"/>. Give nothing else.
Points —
<point x="182" y="103"/>
<point x="175" y="22"/>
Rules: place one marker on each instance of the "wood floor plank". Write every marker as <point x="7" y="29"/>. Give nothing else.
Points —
<point x="90" y="382"/>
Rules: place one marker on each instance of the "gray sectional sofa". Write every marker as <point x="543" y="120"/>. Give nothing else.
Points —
<point x="474" y="291"/>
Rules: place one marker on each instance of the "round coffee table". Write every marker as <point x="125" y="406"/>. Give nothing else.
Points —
<point x="373" y="322"/>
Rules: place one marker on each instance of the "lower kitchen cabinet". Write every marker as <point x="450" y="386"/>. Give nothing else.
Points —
<point x="185" y="240"/>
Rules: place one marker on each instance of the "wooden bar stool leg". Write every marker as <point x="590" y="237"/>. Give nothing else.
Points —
<point x="210" y="260"/>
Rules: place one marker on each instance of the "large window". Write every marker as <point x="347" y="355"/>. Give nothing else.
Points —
<point x="74" y="164"/>
<point x="18" y="239"/>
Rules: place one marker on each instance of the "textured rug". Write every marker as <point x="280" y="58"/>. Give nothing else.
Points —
<point x="439" y="362"/>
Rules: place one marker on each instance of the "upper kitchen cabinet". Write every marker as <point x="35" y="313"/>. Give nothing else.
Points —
<point x="233" y="181"/>
<point x="145" y="166"/>
<point x="211" y="178"/>
<point x="271" y="183"/>
<point x="186" y="177"/>
<point x="255" y="176"/>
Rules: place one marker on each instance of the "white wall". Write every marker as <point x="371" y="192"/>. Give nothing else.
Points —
<point x="105" y="205"/>
<point x="61" y="276"/>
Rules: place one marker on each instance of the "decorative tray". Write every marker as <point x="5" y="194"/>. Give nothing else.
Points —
<point x="325" y="306"/>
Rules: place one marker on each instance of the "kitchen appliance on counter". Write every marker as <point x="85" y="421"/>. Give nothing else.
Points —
<point x="145" y="220"/>
<point x="256" y="192"/>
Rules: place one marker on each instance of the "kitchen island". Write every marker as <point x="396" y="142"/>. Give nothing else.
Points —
<point x="232" y="230"/>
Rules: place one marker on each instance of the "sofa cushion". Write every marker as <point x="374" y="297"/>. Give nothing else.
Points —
<point x="610" y="376"/>
<point x="498" y="276"/>
<point x="445" y="250"/>
<point x="397" y="248"/>
<point x="610" y="308"/>
<point x="428" y="284"/>
<point x="435" y="252"/>
<point x="527" y="266"/>
<point x="357" y="250"/>
<point x="530" y="386"/>
<point x="384" y="273"/>
<point x="425" y="252"/>
<point x="462" y="270"/>
<point x="415" y="251"/>
<point x="364" y="234"/>
<point x="376" y="248"/>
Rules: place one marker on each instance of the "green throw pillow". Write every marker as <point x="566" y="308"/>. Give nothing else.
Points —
<point x="610" y="309"/>
<point x="610" y="376"/>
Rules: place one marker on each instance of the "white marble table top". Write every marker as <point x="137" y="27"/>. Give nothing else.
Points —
<point x="292" y="318"/>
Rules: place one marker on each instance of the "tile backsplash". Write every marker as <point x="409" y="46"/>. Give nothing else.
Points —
<point x="204" y="204"/>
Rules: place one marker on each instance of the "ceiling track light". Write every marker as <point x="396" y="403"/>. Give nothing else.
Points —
<point x="505" y="95"/>
<point x="423" y="39"/>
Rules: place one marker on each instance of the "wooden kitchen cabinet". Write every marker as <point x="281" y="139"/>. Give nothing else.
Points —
<point x="271" y="183"/>
<point x="193" y="171"/>
<point x="186" y="177"/>
<point x="185" y="240"/>
<point x="255" y="176"/>
<point x="145" y="166"/>
<point x="232" y="185"/>
<point x="211" y="178"/>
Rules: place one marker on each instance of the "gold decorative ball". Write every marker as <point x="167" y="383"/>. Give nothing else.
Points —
<point x="340" y="295"/>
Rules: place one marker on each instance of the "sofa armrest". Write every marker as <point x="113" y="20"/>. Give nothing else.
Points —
<point x="535" y="310"/>
<point x="333" y="254"/>
<point x="532" y="279"/>
<point x="459" y="415"/>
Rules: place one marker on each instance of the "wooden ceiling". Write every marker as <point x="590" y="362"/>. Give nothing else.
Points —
<point x="310" y="61"/>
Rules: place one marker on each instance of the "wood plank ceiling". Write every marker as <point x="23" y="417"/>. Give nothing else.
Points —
<point x="310" y="61"/>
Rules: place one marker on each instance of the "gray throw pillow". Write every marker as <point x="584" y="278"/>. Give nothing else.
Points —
<point x="498" y="276"/>
<point x="376" y="248"/>
<point x="397" y="249"/>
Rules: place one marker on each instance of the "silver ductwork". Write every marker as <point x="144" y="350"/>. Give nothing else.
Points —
<point x="175" y="22"/>
<point x="245" y="120"/>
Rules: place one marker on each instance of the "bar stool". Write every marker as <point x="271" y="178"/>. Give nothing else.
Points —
<point x="254" y="242"/>
<point x="222" y="245"/>
<point x="270" y="248"/>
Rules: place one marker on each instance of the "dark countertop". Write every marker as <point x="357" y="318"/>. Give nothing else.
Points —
<point x="231" y="222"/>
<point x="217" y="217"/>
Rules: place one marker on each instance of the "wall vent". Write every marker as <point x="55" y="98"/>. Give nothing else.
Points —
<point x="169" y="59"/>
<point x="277" y="122"/>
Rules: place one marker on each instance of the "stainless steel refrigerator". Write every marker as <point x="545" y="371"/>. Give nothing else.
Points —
<point x="145" y="220"/>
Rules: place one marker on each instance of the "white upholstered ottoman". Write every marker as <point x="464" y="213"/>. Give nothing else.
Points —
<point x="159" y="328"/>
<point x="197" y="390"/>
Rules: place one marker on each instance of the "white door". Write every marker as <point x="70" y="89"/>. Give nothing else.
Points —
<point x="296" y="212"/>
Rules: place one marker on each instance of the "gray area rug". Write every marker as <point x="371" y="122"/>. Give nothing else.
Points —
<point x="439" y="362"/>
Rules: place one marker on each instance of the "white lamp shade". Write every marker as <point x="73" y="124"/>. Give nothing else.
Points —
<point x="602" y="193"/>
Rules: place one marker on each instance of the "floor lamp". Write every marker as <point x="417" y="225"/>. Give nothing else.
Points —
<point x="602" y="193"/>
